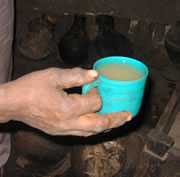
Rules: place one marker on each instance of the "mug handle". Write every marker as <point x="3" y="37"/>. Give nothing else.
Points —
<point x="87" y="87"/>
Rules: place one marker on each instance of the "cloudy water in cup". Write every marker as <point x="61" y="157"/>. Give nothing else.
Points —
<point x="122" y="72"/>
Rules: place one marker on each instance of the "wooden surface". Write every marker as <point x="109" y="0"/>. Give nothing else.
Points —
<point x="164" y="11"/>
<point x="175" y="131"/>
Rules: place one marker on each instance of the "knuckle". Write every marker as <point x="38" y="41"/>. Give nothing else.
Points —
<point x="98" y="100"/>
<point x="94" y="99"/>
<point x="78" y="74"/>
<point x="78" y="70"/>
<point x="96" y="104"/>
<point x="104" y="123"/>
<point x="52" y="69"/>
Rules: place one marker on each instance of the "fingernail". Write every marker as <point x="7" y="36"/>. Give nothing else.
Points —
<point x="93" y="73"/>
<point x="129" y="117"/>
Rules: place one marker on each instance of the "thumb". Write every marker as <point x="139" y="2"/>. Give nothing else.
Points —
<point x="67" y="78"/>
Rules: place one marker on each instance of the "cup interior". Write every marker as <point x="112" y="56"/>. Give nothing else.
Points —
<point x="136" y="64"/>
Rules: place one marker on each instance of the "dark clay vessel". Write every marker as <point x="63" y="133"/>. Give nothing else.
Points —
<point x="108" y="41"/>
<point x="74" y="45"/>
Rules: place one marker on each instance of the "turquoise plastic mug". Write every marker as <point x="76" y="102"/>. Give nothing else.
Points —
<point x="119" y="95"/>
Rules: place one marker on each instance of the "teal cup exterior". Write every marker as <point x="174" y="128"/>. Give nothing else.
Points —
<point x="119" y="95"/>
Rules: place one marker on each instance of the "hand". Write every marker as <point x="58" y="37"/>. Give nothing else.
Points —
<point x="42" y="103"/>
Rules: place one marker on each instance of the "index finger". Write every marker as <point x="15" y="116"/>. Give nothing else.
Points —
<point x="67" y="78"/>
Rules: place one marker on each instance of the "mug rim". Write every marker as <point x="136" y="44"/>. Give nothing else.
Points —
<point x="119" y="82"/>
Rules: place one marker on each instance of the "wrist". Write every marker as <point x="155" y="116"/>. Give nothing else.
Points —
<point x="9" y="102"/>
